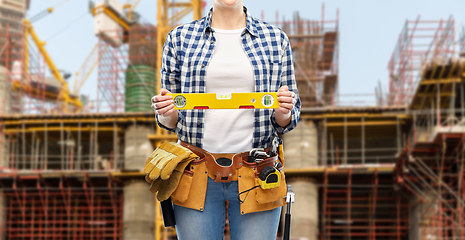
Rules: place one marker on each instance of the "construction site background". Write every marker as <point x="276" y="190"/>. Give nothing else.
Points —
<point x="393" y="169"/>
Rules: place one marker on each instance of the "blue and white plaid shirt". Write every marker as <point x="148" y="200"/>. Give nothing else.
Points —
<point x="187" y="52"/>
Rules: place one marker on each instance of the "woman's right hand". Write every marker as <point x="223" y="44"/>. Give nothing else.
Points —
<point x="162" y="104"/>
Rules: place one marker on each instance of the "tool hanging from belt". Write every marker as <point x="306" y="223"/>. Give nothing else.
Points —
<point x="287" y="219"/>
<point x="269" y="176"/>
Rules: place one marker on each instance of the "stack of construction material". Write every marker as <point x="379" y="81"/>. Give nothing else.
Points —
<point x="315" y="50"/>
<point x="141" y="82"/>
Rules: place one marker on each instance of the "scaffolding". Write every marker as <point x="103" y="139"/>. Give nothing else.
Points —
<point x="12" y="59"/>
<point x="431" y="165"/>
<point x="85" y="143"/>
<point x="462" y="42"/>
<point x="62" y="206"/>
<point x="35" y="92"/>
<point x="315" y="46"/>
<point x="397" y="170"/>
<point x="359" y="136"/>
<point x="24" y="66"/>
<point x="110" y="81"/>
<point x="362" y="205"/>
<point x="419" y="42"/>
<point x="434" y="174"/>
<point x="116" y="60"/>
<point x="61" y="175"/>
<point x="68" y="147"/>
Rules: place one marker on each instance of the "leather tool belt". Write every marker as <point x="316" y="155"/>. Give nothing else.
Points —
<point x="222" y="167"/>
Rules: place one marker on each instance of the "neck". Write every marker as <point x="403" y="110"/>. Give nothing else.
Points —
<point x="228" y="18"/>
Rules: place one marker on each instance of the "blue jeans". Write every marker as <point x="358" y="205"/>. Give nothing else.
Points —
<point x="210" y="223"/>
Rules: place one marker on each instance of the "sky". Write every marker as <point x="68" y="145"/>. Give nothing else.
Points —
<point x="368" y="31"/>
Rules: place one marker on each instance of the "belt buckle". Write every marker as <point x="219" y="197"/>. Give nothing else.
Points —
<point x="223" y="179"/>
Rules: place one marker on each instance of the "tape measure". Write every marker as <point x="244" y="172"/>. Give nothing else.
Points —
<point x="258" y="100"/>
<point x="269" y="177"/>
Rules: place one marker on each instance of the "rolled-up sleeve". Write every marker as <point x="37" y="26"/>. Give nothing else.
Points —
<point x="288" y="79"/>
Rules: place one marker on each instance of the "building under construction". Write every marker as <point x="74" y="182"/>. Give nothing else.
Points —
<point x="71" y="167"/>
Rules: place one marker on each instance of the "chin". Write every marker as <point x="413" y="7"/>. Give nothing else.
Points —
<point x="228" y="3"/>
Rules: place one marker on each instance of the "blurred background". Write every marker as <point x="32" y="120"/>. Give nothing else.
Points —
<point x="377" y="154"/>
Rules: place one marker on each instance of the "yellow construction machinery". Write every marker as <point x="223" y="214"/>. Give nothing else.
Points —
<point x="61" y="94"/>
<point x="125" y="19"/>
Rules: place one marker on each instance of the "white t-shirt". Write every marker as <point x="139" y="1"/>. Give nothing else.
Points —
<point x="229" y="71"/>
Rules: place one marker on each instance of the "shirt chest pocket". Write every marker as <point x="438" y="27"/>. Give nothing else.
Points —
<point x="193" y="72"/>
<point x="274" y="74"/>
<point x="268" y="70"/>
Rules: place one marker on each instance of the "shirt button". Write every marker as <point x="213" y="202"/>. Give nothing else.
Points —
<point x="211" y="42"/>
<point x="203" y="65"/>
<point x="198" y="123"/>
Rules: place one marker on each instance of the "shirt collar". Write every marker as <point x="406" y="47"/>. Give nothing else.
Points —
<point x="250" y="22"/>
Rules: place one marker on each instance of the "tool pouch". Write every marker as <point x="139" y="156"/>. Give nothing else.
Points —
<point x="166" y="166"/>
<point x="192" y="187"/>
<point x="182" y="192"/>
<point x="185" y="184"/>
<point x="266" y="195"/>
<point x="273" y="194"/>
<point x="261" y="199"/>
<point x="223" y="167"/>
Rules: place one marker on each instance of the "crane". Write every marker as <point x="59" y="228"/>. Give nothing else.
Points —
<point x="62" y="94"/>
<point x="125" y="21"/>
<point x="129" y="7"/>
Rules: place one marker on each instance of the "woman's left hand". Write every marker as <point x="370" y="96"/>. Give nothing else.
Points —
<point x="286" y="99"/>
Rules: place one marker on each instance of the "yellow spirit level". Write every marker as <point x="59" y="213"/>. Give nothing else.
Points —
<point x="187" y="101"/>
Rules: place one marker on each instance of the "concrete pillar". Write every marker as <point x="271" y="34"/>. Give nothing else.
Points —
<point x="304" y="211"/>
<point x="138" y="211"/>
<point x="422" y="215"/>
<point x="137" y="147"/>
<point x="10" y="101"/>
<point x="3" y="216"/>
<point x="301" y="146"/>
<point x="4" y="148"/>
<point x="5" y="89"/>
